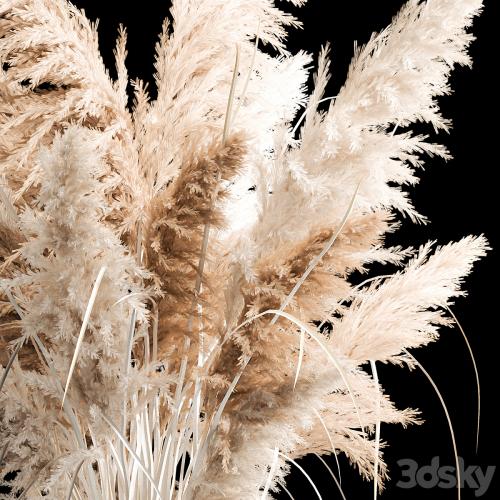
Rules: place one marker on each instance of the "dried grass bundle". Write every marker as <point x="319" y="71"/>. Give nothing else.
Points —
<point x="158" y="315"/>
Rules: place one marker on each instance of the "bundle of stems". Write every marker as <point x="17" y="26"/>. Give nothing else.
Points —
<point x="178" y="313"/>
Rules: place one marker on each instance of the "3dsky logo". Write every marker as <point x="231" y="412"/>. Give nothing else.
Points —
<point x="435" y="475"/>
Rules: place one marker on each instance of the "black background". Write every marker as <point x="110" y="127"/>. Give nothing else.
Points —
<point x="459" y="198"/>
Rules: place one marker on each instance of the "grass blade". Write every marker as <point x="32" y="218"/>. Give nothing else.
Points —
<point x="377" y="433"/>
<point x="333" y="475"/>
<point x="86" y="318"/>
<point x="450" y="425"/>
<point x="230" y="101"/>
<point x="10" y="363"/>
<point x="301" y="355"/>
<point x="134" y="455"/>
<point x="303" y="472"/>
<point x="73" y="480"/>
<point x="334" y="451"/>
<point x="318" y="257"/>
<point x="271" y="474"/>
<point x="327" y="352"/>
<point x="476" y="372"/>
<point x="286" y="491"/>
